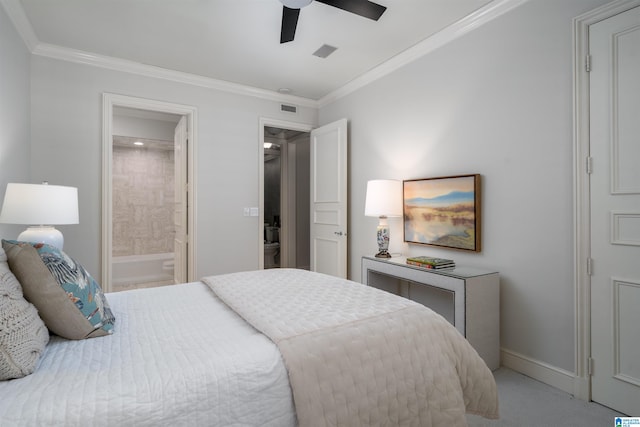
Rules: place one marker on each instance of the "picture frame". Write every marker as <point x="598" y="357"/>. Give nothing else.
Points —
<point x="443" y="212"/>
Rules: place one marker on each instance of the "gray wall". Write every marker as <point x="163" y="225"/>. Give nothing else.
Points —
<point x="272" y="174"/>
<point x="14" y="113"/>
<point x="302" y="152"/>
<point x="498" y="102"/>
<point x="66" y="115"/>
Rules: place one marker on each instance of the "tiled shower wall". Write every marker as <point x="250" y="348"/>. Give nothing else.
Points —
<point x="143" y="201"/>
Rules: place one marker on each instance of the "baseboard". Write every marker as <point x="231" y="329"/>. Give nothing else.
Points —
<point x="582" y="388"/>
<point x="543" y="372"/>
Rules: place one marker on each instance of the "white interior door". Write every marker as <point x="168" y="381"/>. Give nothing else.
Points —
<point x="328" y="176"/>
<point x="180" y="211"/>
<point x="615" y="211"/>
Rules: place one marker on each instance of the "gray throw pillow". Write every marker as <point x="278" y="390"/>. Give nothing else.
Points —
<point x="23" y="335"/>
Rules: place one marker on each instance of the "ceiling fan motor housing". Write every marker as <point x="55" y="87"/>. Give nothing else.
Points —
<point x="296" y="4"/>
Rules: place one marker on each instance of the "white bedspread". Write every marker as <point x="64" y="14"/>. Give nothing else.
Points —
<point x="358" y="356"/>
<point x="178" y="357"/>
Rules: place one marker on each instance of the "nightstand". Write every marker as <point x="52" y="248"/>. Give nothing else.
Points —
<point x="468" y="298"/>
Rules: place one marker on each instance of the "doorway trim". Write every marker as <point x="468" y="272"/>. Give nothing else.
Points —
<point x="110" y="100"/>
<point x="302" y="127"/>
<point x="582" y="189"/>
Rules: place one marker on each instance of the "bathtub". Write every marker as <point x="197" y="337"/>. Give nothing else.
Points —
<point x="134" y="269"/>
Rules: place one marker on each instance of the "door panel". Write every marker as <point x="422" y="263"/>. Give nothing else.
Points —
<point x="327" y="252"/>
<point x="180" y="196"/>
<point x="615" y="210"/>
<point x="329" y="199"/>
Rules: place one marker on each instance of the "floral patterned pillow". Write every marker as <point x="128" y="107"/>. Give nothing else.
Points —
<point x="70" y="302"/>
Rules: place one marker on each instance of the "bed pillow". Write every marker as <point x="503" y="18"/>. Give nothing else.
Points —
<point x="23" y="335"/>
<point x="69" y="301"/>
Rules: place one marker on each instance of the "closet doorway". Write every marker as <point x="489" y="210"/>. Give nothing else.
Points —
<point x="284" y="195"/>
<point x="148" y="193"/>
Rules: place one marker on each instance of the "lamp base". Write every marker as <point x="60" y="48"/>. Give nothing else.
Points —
<point x="383" y="254"/>
<point x="42" y="234"/>
<point x="382" y="236"/>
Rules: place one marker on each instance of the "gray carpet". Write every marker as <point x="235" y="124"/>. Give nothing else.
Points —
<point x="525" y="402"/>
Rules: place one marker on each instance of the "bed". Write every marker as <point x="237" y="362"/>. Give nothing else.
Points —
<point x="267" y="348"/>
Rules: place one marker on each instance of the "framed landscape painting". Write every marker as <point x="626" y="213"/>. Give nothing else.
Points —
<point x="443" y="212"/>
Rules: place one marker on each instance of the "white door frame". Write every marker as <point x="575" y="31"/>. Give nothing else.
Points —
<point x="582" y="220"/>
<point x="109" y="101"/>
<point x="284" y="236"/>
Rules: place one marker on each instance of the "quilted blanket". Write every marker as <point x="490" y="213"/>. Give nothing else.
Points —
<point x="179" y="357"/>
<point x="360" y="356"/>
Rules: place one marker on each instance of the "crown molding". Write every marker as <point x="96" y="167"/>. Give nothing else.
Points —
<point x="467" y="24"/>
<point x="124" y="65"/>
<point x="480" y="17"/>
<point x="16" y="14"/>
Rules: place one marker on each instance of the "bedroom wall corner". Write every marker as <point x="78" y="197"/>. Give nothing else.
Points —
<point x="15" y="101"/>
<point x="496" y="101"/>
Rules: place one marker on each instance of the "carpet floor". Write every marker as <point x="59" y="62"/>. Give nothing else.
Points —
<point x="525" y="402"/>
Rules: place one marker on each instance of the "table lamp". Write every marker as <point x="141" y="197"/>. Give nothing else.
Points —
<point x="39" y="204"/>
<point x="384" y="199"/>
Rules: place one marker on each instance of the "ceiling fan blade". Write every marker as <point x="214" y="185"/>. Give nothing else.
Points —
<point x="363" y="8"/>
<point x="289" y="24"/>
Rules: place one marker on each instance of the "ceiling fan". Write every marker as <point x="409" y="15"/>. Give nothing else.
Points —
<point x="291" y="11"/>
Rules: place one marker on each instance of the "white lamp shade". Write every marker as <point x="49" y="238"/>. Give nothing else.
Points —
<point x="40" y="204"/>
<point x="384" y="198"/>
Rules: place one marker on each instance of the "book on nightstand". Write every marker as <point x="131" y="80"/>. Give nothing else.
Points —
<point x="431" y="262"/>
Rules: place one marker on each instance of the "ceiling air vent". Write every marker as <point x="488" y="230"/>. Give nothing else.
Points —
<point x="324" y="51"/>
<point x="288" y="108"/>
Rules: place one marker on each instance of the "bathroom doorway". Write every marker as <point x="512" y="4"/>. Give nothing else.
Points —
<point x="148" y="193"/>
<point x="284" y="209"/>
<point x="144" y="200"/>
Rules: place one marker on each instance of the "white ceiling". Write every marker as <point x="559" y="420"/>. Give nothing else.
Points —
<point x="238" y="40"/>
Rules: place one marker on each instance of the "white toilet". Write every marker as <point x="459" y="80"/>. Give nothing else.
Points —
<point x="271" y="251"/>
<point x="271" y="247"/>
